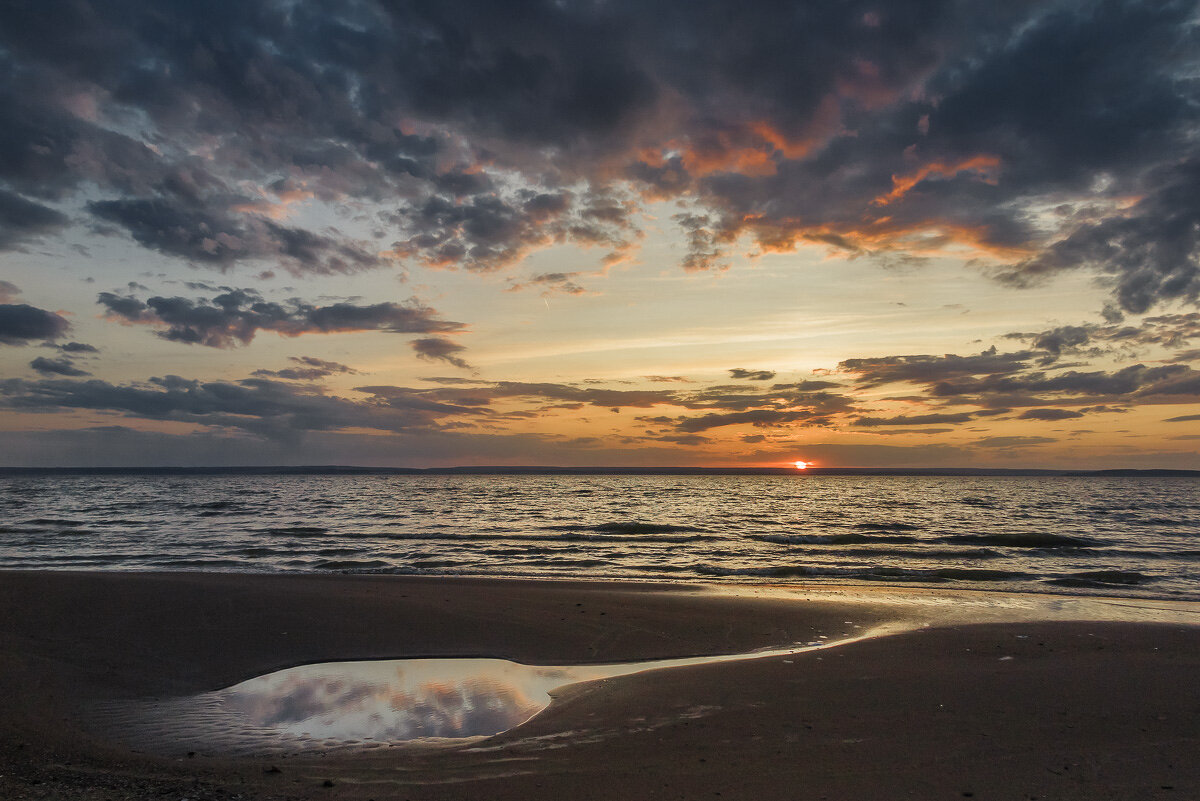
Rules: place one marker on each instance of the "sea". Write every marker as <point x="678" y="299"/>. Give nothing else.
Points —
<point x="1099" y="535"/>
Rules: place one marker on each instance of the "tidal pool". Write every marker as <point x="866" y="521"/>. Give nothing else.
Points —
<point x="403" y="699"/>
<point x="368" y="704"/>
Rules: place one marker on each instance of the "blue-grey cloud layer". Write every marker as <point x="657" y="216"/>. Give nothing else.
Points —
<point x="491" y="128"/>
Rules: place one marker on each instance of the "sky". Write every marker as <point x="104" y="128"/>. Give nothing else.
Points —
<point x="914" y="233"/>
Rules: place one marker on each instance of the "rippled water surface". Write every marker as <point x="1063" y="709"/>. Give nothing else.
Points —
<point x="1124" y="536"/>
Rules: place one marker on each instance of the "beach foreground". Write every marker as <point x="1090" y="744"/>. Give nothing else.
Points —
<point x="967" y="698"/>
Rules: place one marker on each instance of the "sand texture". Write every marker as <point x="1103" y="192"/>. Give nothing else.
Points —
<point x="971" y="699"/>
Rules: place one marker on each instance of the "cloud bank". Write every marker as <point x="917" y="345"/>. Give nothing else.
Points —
<point x="478" y="133"/>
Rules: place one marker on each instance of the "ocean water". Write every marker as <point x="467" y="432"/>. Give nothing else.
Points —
<point x="1093" y="535"/>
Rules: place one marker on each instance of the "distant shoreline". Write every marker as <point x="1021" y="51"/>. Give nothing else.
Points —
<point x="336" y="470"/>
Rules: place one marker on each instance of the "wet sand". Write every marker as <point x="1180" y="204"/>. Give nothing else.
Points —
<point x="981" y="696"/>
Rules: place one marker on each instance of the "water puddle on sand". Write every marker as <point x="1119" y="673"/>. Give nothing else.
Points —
<point x="369" y="704"/>
<point x="365" y="705"/>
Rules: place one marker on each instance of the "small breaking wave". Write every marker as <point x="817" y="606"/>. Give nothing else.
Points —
<point x="507" y="536"/>
<point x="294" y="531"/>
<point x="828" y="539"/>
<point x="213" y="505"/>
<point x="628" y="528"/>
<point x="349" y="565"/>
<point x="1022" y="540"/>
<point x="940" y="574"/>
<point x="1097" y="579"/>
<point x="867" y="574"/>
<point x="888" y="526"/>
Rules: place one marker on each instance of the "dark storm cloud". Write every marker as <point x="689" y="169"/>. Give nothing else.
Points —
<point x="492" y="129"/>
<point x="551" y="283"/>
<point x="434" y="348"/>
<point x="62" y="366"/>
<point x="310" y="369"/>
<point x="1151" y="249"/>
<point x="259" y="406"/>
<point x="1049" y="414"/>
<point x="22" y="219"/>
<point x="1001" y="443"/>
<point x="1135" y="381"/>
<point x="760" y="418"/>
<point x="487" y="231"/>
<point x="689" y="440"/>
<point x="923" y="369"/>
<point x="1168" y="330"/>
<point x="220" y="237"/>
<point x="1192" y="355"/>
<point x="1015" y="379"/>
<point x="805" y="386"/>
<point x="1185" y="418"/>
<point x="236" y="315"/>
<point x="760" y="409"/>
<point x="20" y="323"/>
<point x="915" y="420"/>
<point x="77" y="347"/>
<point x="1112" y="116"/>
<point x="751" y="375"/>
<point x="1064" y="338"/>
<point x="592" y="396"/>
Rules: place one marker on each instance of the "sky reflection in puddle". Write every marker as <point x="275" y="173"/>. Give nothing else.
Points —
<point x="402" y="699"/>
<point x="369" y="704"/>
<point x="407" y="699"/>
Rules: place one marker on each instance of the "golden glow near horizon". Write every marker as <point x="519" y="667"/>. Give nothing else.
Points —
<point x="801" y="465"/>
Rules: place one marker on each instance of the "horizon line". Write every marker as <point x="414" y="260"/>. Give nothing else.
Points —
<point x="592" y="470"/>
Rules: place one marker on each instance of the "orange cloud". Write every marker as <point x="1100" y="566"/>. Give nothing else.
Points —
<point x="930" y="238"/>
<point x="726" y="156"/>
<point x="791" y="149"/>
<point x="983" y="164"/>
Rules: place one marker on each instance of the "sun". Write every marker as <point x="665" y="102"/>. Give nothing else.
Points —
<point x="801" y="465"/>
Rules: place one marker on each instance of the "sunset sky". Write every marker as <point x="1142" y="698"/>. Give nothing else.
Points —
<point x="478" y="232"/>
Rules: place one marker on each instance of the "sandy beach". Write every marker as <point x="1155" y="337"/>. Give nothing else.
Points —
<point x="972" y="697"/>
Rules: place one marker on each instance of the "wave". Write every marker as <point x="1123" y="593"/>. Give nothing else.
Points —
<point x="1031" y="540"/>
<point x="294" y="531"/>
<point x="888" y="526"/>
<point x="605" y="536"/>
<point x="868" y="574"/>
<point x="570" y="562"/>
<point x="482" y="538"/>
<point x="981" y="503"/>
<point x="428" y="564"/>
<point x="941" y="574"/>
<point x="828" y="539"/>
<point x="255" y="552"/>
<point x="931" y="553"/>
<point x="213" y="505"/>
<point x="630" y="527"/>
<point x="1096" y="579"/>
<point x="197" y="562"/>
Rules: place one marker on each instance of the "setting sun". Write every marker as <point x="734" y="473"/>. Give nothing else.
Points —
<point x="801" y="465"/>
